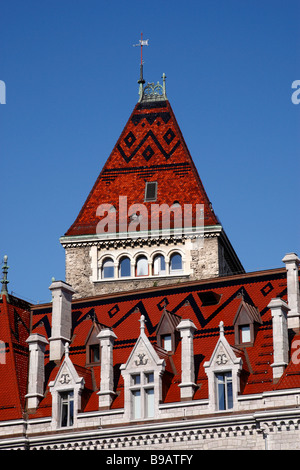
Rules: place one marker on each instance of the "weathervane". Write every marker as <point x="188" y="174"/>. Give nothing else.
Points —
<point x="142" y="43"/>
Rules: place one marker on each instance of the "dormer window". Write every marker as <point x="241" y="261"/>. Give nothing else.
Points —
<point x="151" y="191"/>
<point x="166" y="332"/>
<point x="245" y="323"/>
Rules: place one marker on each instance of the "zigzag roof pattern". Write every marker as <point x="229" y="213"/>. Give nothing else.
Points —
<point x="150" y="148"/>
<point x="121" y="313"/>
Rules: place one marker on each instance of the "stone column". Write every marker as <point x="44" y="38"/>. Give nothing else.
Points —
<point x="61" y="318"/>
<point x="279" y="312"/>
<point x="292" y="262"/>
<point x="36" y="378"/>
<point x="187" y="385"/>
<point x="106" y="393"/>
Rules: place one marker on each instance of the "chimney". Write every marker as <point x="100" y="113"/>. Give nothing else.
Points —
<point x="106" y="393"/>
<point x="37" y="344"/>
<point x="61" y="318"/>
<point x="279" y="312"/>
<point x="187" y="385"/>
<point x="292" y="262"/>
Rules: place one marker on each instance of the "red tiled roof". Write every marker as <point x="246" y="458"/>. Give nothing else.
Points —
<point x="121" y="312"/>
<point x="14" y="330"/>
<point x="150" y="148"/>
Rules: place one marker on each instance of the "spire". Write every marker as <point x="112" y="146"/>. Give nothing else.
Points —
<point x="141" y="81"/>
<point x="4" y="280"/>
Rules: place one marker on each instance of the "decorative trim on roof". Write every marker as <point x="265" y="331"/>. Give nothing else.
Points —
<point x="152" y="92"/>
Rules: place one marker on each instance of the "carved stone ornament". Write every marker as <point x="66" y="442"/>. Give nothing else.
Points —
<point x="142" y="361"/>
<point x="221" y="359"/>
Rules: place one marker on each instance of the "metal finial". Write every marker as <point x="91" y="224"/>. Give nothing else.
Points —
<point x="4" y="280"/>
<point x="141" y="81"/>
<point x="221" y="326"/>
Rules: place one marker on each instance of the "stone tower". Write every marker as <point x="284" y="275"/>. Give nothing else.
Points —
<point x="148" y="220"/>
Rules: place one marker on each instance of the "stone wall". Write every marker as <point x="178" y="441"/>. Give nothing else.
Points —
<point x="201" y="260"/>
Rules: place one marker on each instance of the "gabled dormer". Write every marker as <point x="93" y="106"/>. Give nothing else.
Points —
<point x="66" y="390"/>
<point x="223" y="370"/>
<point x="142" y="376"/>
<point x="167" y="336"/>
<point x="246" y="320"/>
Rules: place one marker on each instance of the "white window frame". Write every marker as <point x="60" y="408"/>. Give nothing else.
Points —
<point x="105" y="260"/>
<point x="176" y="270"/>
<point x="223" y="379"/>
<point x="68" y="403"/>
<point x="141" y="389"/>
<point x="122" y="258"/>
<point x="157" y="265"/>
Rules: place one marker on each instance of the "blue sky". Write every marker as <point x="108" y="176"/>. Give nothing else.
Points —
<point x="71" y="83"/>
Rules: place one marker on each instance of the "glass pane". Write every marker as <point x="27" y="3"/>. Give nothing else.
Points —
<point x="64" y="414"/>
<point x="167" y="342"/>
<point x="149" y="403"/>
<point x="176" y="261"/>
<point x="220" y="392"/>
<point x="108" y="269"/>
<point x="124" y="267"/>
<point x="245" y="334"/>
<point x="229" y="394"/>
<point x="136" y="379"/>
<point x="136" y="403"/>
<point x="149" y="377"/>
<point x="159" y="265"/>
<point x="142" y="267"/>
<point x="95" y="353"/>
<point x="71" y="415"/>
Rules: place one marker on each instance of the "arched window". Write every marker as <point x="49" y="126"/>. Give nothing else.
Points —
<point x="175" y="262"/>
<point x="142" y="266"/>
<point x="124" y="267"/>
<point x="107" y="269"/>
<point x="159" y="265"/>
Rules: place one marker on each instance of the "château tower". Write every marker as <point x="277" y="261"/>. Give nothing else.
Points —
<point x="148" y="220"/>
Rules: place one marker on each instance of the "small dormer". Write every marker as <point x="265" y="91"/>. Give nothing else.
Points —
<point x="92" y="345"/>
<point x="167" y="335"/>
<point x="246" y="320"/>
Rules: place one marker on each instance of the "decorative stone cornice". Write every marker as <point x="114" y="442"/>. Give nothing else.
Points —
<point x="117" y="241"/>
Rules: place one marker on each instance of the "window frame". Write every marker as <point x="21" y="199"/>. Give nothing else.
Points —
<point x="141" y="390"/>
<point x="176" y="270"/>
<point x="157" y="265"/>
<point x="107" y="259"/>
<point x="67" y="403"/>
<point x="224" y="380"/>
<point x="147" y="185"/>
<point x="122" y="259"/>
<point x="144" y="258"/>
